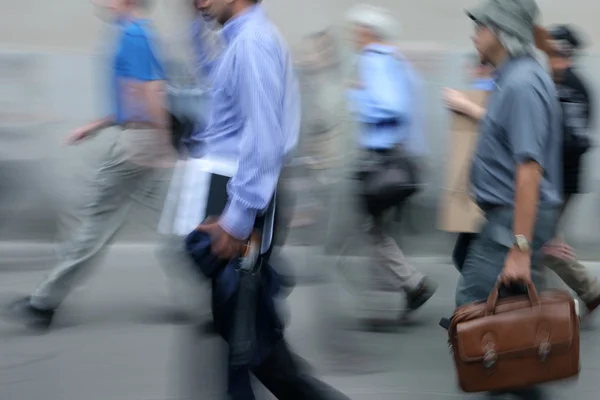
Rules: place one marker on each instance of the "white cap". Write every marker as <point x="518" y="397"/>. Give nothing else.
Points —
<point x="374" y="18"/>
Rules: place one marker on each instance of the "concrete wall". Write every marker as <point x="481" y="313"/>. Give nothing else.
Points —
<point x="71" y="25"/>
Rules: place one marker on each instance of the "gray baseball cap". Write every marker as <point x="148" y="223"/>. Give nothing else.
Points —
<point x="516" y="17"/>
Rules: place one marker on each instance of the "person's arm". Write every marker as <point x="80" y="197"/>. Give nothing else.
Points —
<point x="145" y="78"/>
<point x="260" y="87"/>
<point x="208" y="47"/>
<point x="458" y="102"/>
<point x="528" y="131"/>
<point x="474" y="111"/>
<point x="84" y="132"/>
<point x="380" y="95"/>
<point x="99" y="124"/>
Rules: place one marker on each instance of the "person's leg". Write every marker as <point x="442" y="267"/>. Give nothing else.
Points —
<point x="239" y="386"/>
<point x="284" y="376"/>
<point x="390" y="261"/>
<point x="485" y="260"/>
<point x="101" y="218"/>
<point x="461" y="246"/>
<point x="574" y="274"/>
<point x="577" y="277"/>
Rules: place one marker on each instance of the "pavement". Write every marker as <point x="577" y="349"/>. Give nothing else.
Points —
<point x="112" y="339"/>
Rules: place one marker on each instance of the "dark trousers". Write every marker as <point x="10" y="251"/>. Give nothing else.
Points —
<point x="281" y="372"/>
<point x="480" y="259"/>
<point x="284" y="376"/>
<point x="461" y="248"/>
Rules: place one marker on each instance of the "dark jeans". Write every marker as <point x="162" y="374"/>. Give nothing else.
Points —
<point x="461" y="247"/>
<point x="280" y="372"/>
<point x="284" y="376"/>
<point x="482" y="259"/>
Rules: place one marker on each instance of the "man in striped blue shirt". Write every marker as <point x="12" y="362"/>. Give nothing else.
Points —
<point x="255" y="120"/>
<point x="255" y="115"/>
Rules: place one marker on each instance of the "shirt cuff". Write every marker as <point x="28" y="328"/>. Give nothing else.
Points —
<point x="523" y="157"/>
<point x="237" y="220"/>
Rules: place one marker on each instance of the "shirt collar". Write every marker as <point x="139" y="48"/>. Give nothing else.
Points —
<point x="233" y="27"/>
<point x="506" y="65"/>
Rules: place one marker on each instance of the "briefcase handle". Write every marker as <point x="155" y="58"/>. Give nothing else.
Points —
<point x="492" y="300"/>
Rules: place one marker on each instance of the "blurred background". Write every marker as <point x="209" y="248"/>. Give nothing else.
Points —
<point x="51" y="81"/>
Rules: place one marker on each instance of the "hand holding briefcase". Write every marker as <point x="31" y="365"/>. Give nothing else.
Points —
<point x="516" y="342"/>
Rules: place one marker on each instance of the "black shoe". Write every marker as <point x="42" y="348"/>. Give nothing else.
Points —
<point x="22" y="311"/>
<point x="421" y="294"/>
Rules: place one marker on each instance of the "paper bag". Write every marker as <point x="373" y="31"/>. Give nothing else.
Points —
<point x="459" y="213"/>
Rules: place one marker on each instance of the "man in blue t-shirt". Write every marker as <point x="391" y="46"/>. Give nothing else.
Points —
<point x="135" y="169"/>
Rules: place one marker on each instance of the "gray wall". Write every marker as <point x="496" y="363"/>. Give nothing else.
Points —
<point x="70" y="24"/>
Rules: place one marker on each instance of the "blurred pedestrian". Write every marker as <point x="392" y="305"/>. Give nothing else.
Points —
<point x="135" y="170"/>
<point x="385" y="99"/>
<point x="576" y="101"/>
<point x="577" y="109"/>
<point x="319" y="67"/>
<point x="516" y="172"/>
<point x="254" y="123"/>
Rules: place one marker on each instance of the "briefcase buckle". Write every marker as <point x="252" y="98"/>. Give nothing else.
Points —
<point x="544" y="350"/>
<point x="490" y="357"/>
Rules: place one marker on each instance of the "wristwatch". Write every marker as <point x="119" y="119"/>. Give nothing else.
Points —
<point x="522" y="244"/>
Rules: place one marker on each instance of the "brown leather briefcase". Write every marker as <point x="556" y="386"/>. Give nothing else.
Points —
<point x="515" y="342"/>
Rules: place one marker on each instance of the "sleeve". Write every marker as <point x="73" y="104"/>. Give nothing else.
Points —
<point x="260" y="87"/>
<point x="142" y="63"/>
<point x="384" y="94"/>
<point x="528" y="128"/>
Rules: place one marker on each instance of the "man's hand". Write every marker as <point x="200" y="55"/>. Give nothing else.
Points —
<point x="459" y="103"/>
<point x="224" y="245"/>
<point x="79" y="134"/>
<point x="456" y="101"/>
<point x="559" y="249"/>
<point x="517" y="268"/>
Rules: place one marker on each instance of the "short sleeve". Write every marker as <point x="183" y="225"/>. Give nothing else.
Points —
<point x="142" y="63"/>
<point x="528" y="126"/>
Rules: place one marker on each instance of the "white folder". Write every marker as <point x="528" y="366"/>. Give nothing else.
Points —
<point x="188" y="197"/>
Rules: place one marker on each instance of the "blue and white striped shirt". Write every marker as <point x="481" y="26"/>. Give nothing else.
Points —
<point x="255" y="115"/>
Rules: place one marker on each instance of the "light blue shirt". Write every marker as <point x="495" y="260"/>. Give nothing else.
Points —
<point x="135" y="59"/>
<point x="255" y="113"/>
<point x="483" y="84"/>
<point x="391" y="91"/>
